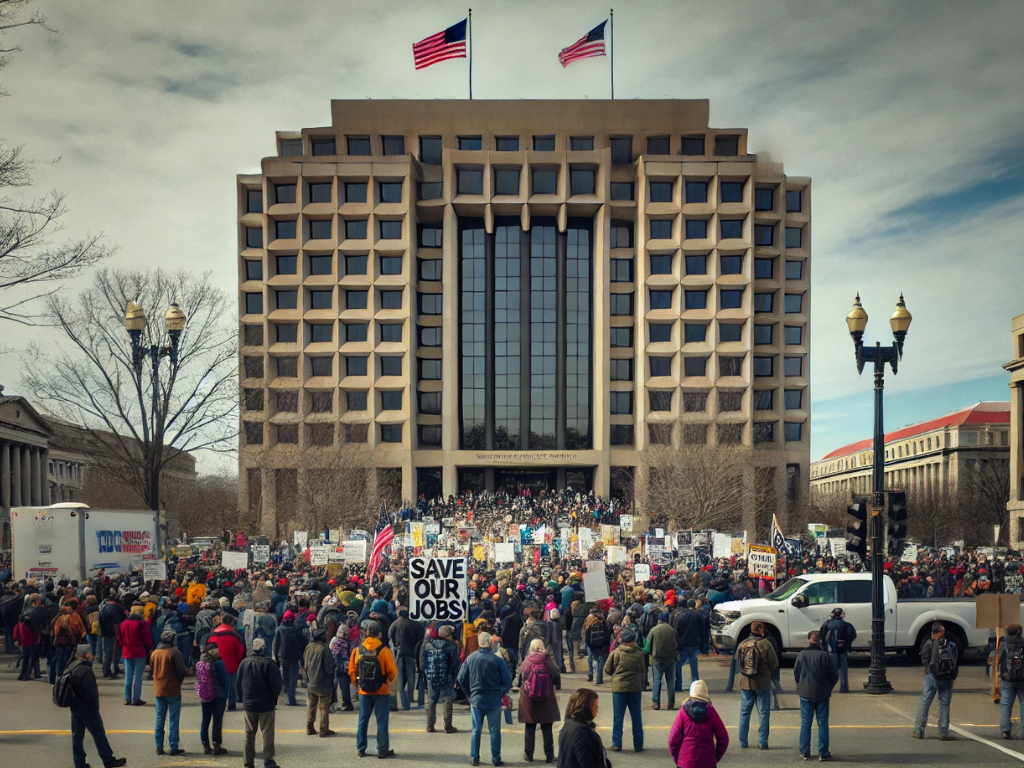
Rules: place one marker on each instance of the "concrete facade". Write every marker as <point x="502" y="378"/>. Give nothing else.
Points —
<point x="652" y="184"/>
<point x="1016" y="370"/>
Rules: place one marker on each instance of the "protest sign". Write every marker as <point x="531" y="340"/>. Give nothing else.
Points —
<point x="595" y="587"/>
<point x="417" y="534"/>
<point x="761" y="561"/>
<point x="431" y="529"/>
<point x="299" y="539"/>
<point x="504" y="553"/>
<point x="234" y="561"/>
<point x="615" y="555"/>
<point x="595" y="566"/>
<point x="723" y="545"/>
<point x="737" y="546"/>
<point x="478" y="553"/>
<point x="317" y="556"/>
<point x="153" y="570"/>
<point x="438" y="589"/>
<point x="609" y="535"/>
<point x="626" y="523"/>
<point x="183" y="550"/>
<point x="261" y="553"/>
<point x="334" y="535"/>
<point x="354" y="551"/>
<point x="334" y="555"/>
<point x="838" y="546"/>
<point x="910" y="554"/>
<point x="1013" y="581"/>
<point x="641" y="573"/>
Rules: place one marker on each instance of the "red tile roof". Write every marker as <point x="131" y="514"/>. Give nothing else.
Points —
<point x="980" y="413"/>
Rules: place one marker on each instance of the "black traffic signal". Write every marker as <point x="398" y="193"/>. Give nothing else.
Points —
<point x="857" y="529"/>
<point x="897" y="510"/>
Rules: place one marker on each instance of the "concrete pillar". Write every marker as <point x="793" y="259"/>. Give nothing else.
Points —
<point x="16" y="485"/>
<point x="26" y="476"/>
<point x="44" y="477"/>
<point x="34" y="485"/>
<point x="5" y="474"/>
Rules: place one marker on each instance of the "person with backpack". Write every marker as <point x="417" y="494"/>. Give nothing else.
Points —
<point x="485" y="679"/>
<point x="136" y="642"/>
<point x="757" y="661"/>
<point x="662" y="648"/>
<point x="318" y="662"/>
<point x="837" y="636"/>
<point x="1011" y="678"/>
<point x="628" y="673"/>
<point x="698" y="738"/>
<point x="289" y="645"/>
<point x="373" y="667"/>
<point x="28" y="633"/>
<point x="258" y="687"/>
<point x="439" y="660"/>
<point x="212" y="690"/>
<point x="816" y="674"/>
<point x="76" y="689"/>
<point x="341" y="648"/>
<point x="68" y="630"/>
<point x="168" y="671"/>
<point x="538" y="702"/>
<point x="597" y="636"/>
<point x="405" y="636"/>
<point x="939" y="655"/>
<point x="232" y="650"/>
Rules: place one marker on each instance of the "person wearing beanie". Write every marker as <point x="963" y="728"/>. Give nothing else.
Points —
<point x="662" y="647"/>
<point x="289" y="645"/>
<point x="816" y="674"/>
<point x="837" y="636"/>
<point x="318" y="662"/>
<point x="232" y="650"/>
<point x="85" y="711"/>
<point x="136" y="641"/>
<point x="698" y="738"/>
<point x="372" y="679"/>
<point x="168" y="667"/>
<point x="628" y="672"/>
<point x="258" y="686"/>
<point x="406" y="636"/>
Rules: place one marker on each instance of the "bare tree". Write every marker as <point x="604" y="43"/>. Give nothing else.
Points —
<point x="141" y="422"/>
<point x="207" y="506"/>
<point x="32" y="258"/>
<point x="983" y="491"/>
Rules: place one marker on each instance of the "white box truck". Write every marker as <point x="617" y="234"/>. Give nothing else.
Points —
<point x="72" y="541"/>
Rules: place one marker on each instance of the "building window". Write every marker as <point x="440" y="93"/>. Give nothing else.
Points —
<point x="355" y="229"/>
<point x="355" y="365"/>
<point x="764" y="365"/>
<point x="764" y="333"/>
<point x="764" y="199"/>
<point x="286" y="265"/>
<point x="621" y="233"/>
<point x="695" y="402"/>
<point x="730" y="299"/>
<point x="622" y="270"/>
<point x="730" y="400"/>
<point x="545" y="182"/>
<point x="622" y="190"/>
<point x="621" y="303"/>
<point x="356" y="433"/>
<point x="355" y="331"/>
<point x="391" y="366"/>
<point x="356" y="192"/>
<point x="732" y="229"/>
<point x="391" y="299"/>
<point x="253" y="237"/>
<point x="697" y="265"/>
<point x="430" y="435"/>
<point x="321" y="265"/>
<point x="253" y="400"/>
<point x="695" y="366"/>
<point x="390" y="229"/>
<point x="253" y="367"/>
<point x="622" y="150"/>
<point x="727" y="146"/>
<point x="321" y="299"/>
<point x="470" y="143"/>
<point x="431" y="190"/>
<point x="581" y="143"/>
<point x="730" y="365"/>
<point x="794" y="303"/>
<point x="430" y="370"/>
<point x="661" y="299"/>
<point x="355" y="401"/>
<point x="696" y="192"/>
<point x="660" y="399"/>
<point x="730" y="434"/>
<point x="764" y="399"/>
<point x="794" y="431"/>
<point x="658" y="332"/>
<point x="357" y="145"/>
<point x="320" y="192"/>
<point x="291" y="147"/>
<point x="764" y="302"/>
<point x="390" y="332"/>
<point x="288" y="402"/>
<point x="288" y="366"/>
<point x="794" y="270"/>
<point x="793" y="366"/>
<point x="321" y="332"/>
<point x="621" y="403"/>
<point x="321" y="365"/>
<point x="581" y="180"/>
<point x="391" y="433"/>
<point x="356" y="299"/>
<point x="506" y="143"/>
<point x="430" y="150"/>
<point x="325" y="146"/>
<point x="661" y="191"/>
<point x="732" y="191"/>
<point x="764" y="269"/>
<point x="764" y="432"/>
<point x="659" y="434"/>
<point x="390" y="191"/>
<point x="695" y="434"/>
<point x="730" y="265"/>
<point x="794" y="201"/>
<point x="284" y="230"/>
<point x="692" y="145"/>
<point x="253" y="432"/>
<point x="320" y="435"/>
<point x="253" y="335"/>
<point x="794" y="400"/>
<point x="661" y="264"/>
<point x="696" y="229"/>
<point x="287" y="333"/>
<point x="284" y="193"/>
<point x="254" y="303"/>
<point x="621" y="338"/>
<point x="661" y="229"/>
<point x="728" y="332"/>
<point x="764" y="234"/>
<point x="622" y="434"/>
<point x="469" y="181"/>
<point x="430" y="303"/>
<point x="287" y="299"/>
<point x="355" y="265"/>
<point x="621" y="370"/>
<point x="430" y="403"/>
<point x="506" y="182"/>
<point x="696" y="300"/>
<point x="391" y="265"/>
<point x="430" y="337"/>
<point x="658" y="145"/>
<point x="472" y="339"/>
<point x="794" y="237"/>
<point x="543" y="143"/>
<point x="694" y="333"/>
<point x="794" y="335"/>
<point x="393" y="145"/>
<point x="431" y="234"/>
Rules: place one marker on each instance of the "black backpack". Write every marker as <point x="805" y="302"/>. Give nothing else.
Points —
<point x="1013" y="670"/>
<point x="943" y="664"/>
<point x="369" y="675"/>
<point x="63" y="692"/>
<point x="599" y="635"/>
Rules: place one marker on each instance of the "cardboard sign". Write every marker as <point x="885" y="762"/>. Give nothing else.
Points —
<point x="354" y="551"/>
<point x="761" y="561"/>
<point x="234" y="561"/>
<point x="609" y="535"/>
<point x="438" y="589"/>
<point x="261" y="553"/>
<point x="1013" y="581"/>
<point x="642" y="573"/>
<point x="909" y="554"/>
<point x="300" y="538"/>
<point x="615" y="555"/>
<point x="318" y="556"/>
<point x="997" y="611"/>
<point x="595" y="587"/>
<point x="838" y="546"/>
<point x="183" y="550"/>
<point x="504" y="553"/>
<point x="626" y="523"/>
<point x="154" y="570"/>
<point x="723" y="545"/>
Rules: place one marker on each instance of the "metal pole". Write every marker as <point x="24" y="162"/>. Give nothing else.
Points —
<point x="877" y="682"/>
<point x="154" y="469"/>
<point x="611" y="46"/>
<point x="469" y="24"/>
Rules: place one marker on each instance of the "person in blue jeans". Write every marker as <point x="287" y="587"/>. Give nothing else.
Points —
<point x="376" y="702"/>
<point x="936" y="681"/>
<point x="1011" y="678"/>
<point x="628" y="671"/>
<point x="756" y="682"/>
<point x="816" y="674"/>
<point x="689" y="627"/>
<point x="597" y="634"/>
<point x="485" y="678"/>
<point x="85" y="712"/>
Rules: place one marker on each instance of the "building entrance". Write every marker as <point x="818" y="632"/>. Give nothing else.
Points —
<point x="515" y="479"/>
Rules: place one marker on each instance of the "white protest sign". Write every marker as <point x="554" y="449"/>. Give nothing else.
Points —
<point x="300" y="538"/>
<point x="760" y="561"/>
<point x="838" y="546"/>
<point x="261" y="553"/>
<point x="355" y="551"/>
<point x="615" y="555"/>
<point x="334" y="556"/>
<point x="154" y="570"/>
<point x="641" y="573"/>
<point x="317" y="556"/>
<point x="595" y="587"/>
<point x="626" y="523"/>
<point x="909" y="554"/>
<point x="586" y="541"/>
<point x="234" y="561"/>
<point x="438" y="588"/>
<point x="565" y="534"/>
<point x="723" y="545"/>
<point x="504" y="553"/>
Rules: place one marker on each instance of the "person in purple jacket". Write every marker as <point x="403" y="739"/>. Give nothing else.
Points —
<point x="698" y="738"/>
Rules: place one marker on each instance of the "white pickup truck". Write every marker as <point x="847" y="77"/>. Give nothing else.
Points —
<point x="806" y="602"/>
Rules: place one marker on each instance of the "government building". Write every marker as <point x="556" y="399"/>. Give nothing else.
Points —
<point x="1015" y="506"/>
<point x="458" y="295"/>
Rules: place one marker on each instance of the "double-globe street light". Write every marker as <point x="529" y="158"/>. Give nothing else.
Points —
<point x="857" y="321"/>
<point x="153" y="426"/>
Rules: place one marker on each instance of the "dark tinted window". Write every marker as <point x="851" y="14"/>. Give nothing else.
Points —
<point x="693" y="145"/>
<point x="430" y="150"/>
<point x="764" y="269"/>
<point x="357" y="145"/>
<point x="794" y="431"/>
<point x="696" y="228"/>
<point x="390" y="401"/>
<point x="390" y="299"/>
<point x="622" y="270"/>
<point x="660" y="366"/>
<point x="506" y="182"/>
<point x="621" y="403"/>
<point x="430" y="370"/>
<point x="507" y="143"/>
<point x="326" y="146"/>
<point x="355" y="401"/>
<point x="431" y="234"/>
<point x="794" y="399"/>
<point x="287" y="299"/>
<point x="695" y="366"/>
<point x="661" y="191"/>
<point x="355" y="229"/>
<point x="764" y="365"/>
<point x="322" y="365"/>
<point x="621" y="370"/>
<point x="355" y="299"/>
<point x="391" y="265"/>
<point x="696" y="299"/>
<point x="430" y="337"/>
<point x="730" y="332"/>
<point x="764" y="234"/>
<point x="253" y="270"/>
<point x="661" y="229"/>
<point x="732" y="191"/>
<point x="430" y="269"/>
<point x="430" y="303"/>
<point x="727" y="146"/>
<point x="284" y="230"/>
<point x="321" y="265"/>
<point x="731" y="265"/>
<point x="320" y="332"/>
<point x="764" y="199"/>
<point x="794" y="201"/>
<point x="393" y="145"/>
<point x="794" y="334"/>
<point x="622" y="190"/>
<point x="695" y="332"/>
<point x="764" y="399"/>
<point x="855" y="591"/>
<point x="659" y="331"/>
<point x="320" y="229"/>
<point x="660" y="399"/>
<point x="661" y="264"/>
<point x="390" y="230"/>
<point x="621" y="337"/>
<point x="763" y="334"/>
<point x="355" y="331"/>
<point x="288" y="367"/>
<point x="470" y="181"/>
<point x="794" y="237"/>
<point x="390" y="191"/>
<point x="622" y="434"/>
<point x="390" y="366"/>
<point x="543" y="143"/>
<point x="661" y="299"/>
<point x="355" y="192"/>
<point x="284" y="193"/>
<point x="793" y="366"/>
<point x="764" y="302"/>
<point x="657" y="145"/>
<point x="697" y="265"/>
<point x="432" y="190"/>
<point x="621" y="303"/>
<point x="621" y="233"/>
<point x="253" y="237"/>
<point x="794" y="303"/>
<point x="581" y="143"/>
<point x="320" y="192"/>
<point x="355" y="366"/>
<point x="622" y="150"/>
<point x="731" y="299"/>
<point x="794" y="270"/>
<point x="545" y="181"/>
<point x="430" y="403"/>
<point x="731" y="228"/>
<point x="730" y="365"/>
<point x="470" y="142"/>
<point x="355" y="265"/>
<point x="581" y="181"/>
<point x="254" y="303"/>
<point x="321" y="299"/>
<point x="291" y="147"/>
<point x="696" y="192"/>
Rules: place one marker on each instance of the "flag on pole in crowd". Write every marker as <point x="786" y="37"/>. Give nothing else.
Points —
<point x="778" y="540"/>
<point x="591" y="44"/>
<point x="446" y="44"/>
<point x="382" y="537"/>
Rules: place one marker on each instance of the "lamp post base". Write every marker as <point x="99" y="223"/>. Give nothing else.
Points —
<point x="878" y="687"/>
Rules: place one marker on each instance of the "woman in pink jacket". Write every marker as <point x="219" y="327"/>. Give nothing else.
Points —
<point x="698" y="738"/>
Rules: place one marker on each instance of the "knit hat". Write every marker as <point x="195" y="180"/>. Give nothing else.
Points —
<point x="224" y="602"/>
<point x="83" y="649"/>
<point x="259" y="645"/>
<point x="288" y="616"/>
<point x="168" y="637"/>
<point x="699" y="690"/>
<point x="628" y="635"/>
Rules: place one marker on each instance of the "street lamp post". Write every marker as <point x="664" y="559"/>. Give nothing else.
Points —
<point x="857" y="321"/>
<point x="135" y="323"/>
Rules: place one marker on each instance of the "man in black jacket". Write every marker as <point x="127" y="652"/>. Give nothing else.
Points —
<point x="689" y="627"/>
<point x="10" y="610"/>
<point x="837" y="636"/>
<point x="110" y="617"/>
<point x="258" y="686"/>
<point x="85" y="711"/>
<point x="816" y="674"/>
<point x="405" y="636"/>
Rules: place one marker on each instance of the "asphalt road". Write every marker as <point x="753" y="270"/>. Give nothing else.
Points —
<point x="865" y="730"/>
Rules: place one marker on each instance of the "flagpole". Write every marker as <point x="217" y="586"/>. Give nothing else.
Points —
<point x="469" y="23"/>
<point x="611" y="41"/>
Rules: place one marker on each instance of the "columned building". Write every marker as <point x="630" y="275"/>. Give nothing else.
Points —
<point x="484" y="294"/>
<point x="24" y="458"/>
<point x="1016" y="370"/>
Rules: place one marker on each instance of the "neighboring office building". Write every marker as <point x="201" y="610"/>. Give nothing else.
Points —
<point x="927" y="458"/>
<point x="485" y="293"/>
<point x="1016" y="369"/>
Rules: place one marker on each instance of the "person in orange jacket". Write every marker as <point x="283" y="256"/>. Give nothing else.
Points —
<point x="372" y="666"/>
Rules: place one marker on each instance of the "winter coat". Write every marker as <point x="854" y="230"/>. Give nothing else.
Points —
<point x="627" y="669"/>
<point x="134" y="638"/>
<point x="289" y="642"/>
<point x="319" y="665"/>
<point x="83" y="685"/>
<point x="168" y="667"/>
<point x="762" y="681"/>
<point x="450" y="649"/>
<point x="258" y="684"/>
<point x="384" y="658"/>
<point x="845" y="632"/>
<point x="539" y="710"/>
<point x="405" y="635"/>
<point x="485" y="679"/>
<point x="697" y="739"/>
<point x="579" y="746"/>
<point x="663" y="643"/>
<point x="816" y="673"/>
<point x="68" y="628"/>
<point x="689" y="628"/>
<point x="230" y="645"/>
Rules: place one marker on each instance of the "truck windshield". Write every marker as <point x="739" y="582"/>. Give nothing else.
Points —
<point x="787" y="589"/>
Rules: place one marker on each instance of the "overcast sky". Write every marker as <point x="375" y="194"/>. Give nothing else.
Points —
<point x="909" y="117"/>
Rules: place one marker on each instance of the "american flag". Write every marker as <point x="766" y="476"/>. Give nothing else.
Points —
<point x="591" y="44"/>
<point x="448" y="44"/>
<point x="382" y="536"/>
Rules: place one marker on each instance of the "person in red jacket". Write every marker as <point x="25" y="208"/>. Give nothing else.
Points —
<point x="232" y="651"/>
<point x="698" y="738"/>
<point x="136" y="641"/>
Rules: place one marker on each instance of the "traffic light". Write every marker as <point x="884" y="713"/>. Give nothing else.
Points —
<point x="897" y="502"/>
<point x="857" y="529"/>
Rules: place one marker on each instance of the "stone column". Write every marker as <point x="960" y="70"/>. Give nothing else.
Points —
<point x="44" y="477"/>
<point x="5" y="474"/>
<point x="16" y="475"/>
<point x="26" y="476"/>
<point x="34" y="494"/>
